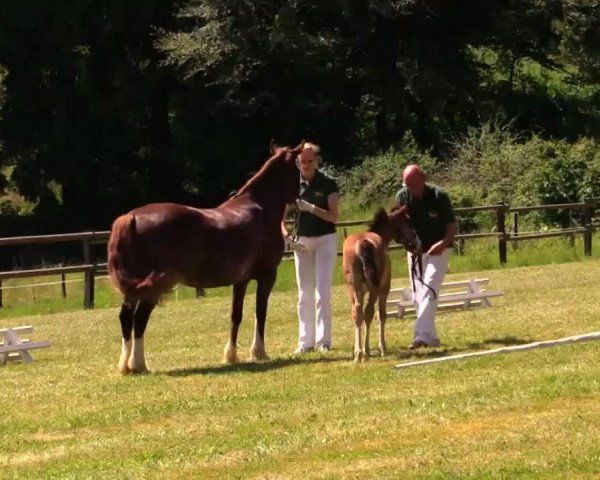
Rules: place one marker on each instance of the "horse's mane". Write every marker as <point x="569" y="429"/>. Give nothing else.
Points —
<point x="259" y="175"/>
<point x="380" y="220"/>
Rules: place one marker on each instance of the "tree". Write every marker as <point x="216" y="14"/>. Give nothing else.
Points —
<point x="87" y="105"/>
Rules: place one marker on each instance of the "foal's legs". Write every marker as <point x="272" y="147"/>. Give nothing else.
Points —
<point x="356" y="296"/>
<point x="382" y="318"/>
<point x="137" y="361"/>
<point x="263" y="289"/>
<point x="369" y="313"/>
<point x="126" y="318"/>
<point x="384" y="291"/>
<point x="237" y="307"/>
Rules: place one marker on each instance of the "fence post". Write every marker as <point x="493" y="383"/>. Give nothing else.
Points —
<point x="63" y="283"/>
<point x="88" y="276"/>
<point x="588" y="214"/>
<point x="515" y="230"/>
<point x="571" y="225"/>
<point x="460" y="244"/>
<point x="501" y="227"/>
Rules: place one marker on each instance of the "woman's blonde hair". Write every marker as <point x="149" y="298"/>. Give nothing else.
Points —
<point x="312" y="146"/>
<point x="315" y="148"/>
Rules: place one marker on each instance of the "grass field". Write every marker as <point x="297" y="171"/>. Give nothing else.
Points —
<point x="524" y="415"/>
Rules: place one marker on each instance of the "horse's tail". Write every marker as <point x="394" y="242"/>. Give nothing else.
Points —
<point x="366" y="252"/>
<point x="123" y="260"/>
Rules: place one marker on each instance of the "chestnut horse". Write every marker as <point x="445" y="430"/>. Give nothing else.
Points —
<point x="155" y="247"/>
<point x="367" y="268"/>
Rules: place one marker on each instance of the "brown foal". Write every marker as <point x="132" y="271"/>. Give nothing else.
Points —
<point x="367" y="269"/>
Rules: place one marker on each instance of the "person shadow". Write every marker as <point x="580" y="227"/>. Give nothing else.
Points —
<point x="250" y="367"/>
<point x="446" y="350"/>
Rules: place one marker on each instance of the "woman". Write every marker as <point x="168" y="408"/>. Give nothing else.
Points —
<point x="315" y="252"/>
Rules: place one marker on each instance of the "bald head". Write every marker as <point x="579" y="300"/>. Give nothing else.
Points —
<point x="414" y="178"/>
<point x="412" y="171"/>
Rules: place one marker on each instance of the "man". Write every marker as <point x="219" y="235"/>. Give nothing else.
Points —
<point x="431" y="215"/>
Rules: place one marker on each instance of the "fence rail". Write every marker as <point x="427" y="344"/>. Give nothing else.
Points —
<point x="90" y="268"/>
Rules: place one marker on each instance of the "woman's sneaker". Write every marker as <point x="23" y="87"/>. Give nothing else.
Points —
<point x="301" y="350"/>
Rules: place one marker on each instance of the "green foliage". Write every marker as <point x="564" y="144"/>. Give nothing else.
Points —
<point x="494" y="162"/>
<point x="118" y="104"/>
<point x="572" y="174"/>
<point x="580" y="27"/>
<point x="377" y="178"/>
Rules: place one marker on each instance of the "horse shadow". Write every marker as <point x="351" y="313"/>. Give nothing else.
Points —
<point x="446" y="350"/>
<point x="251" y="367"/>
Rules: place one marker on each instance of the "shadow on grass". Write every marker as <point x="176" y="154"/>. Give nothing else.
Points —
<point x="446" y="350"/>
<point x="250" y="367"/>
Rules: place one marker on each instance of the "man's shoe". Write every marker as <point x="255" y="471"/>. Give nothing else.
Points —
<point x="421" y="344"/>
<point x="417" y="344"/>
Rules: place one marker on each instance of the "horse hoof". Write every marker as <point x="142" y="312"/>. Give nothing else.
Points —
<point x="358" y="357"/>
<point x="259" y="357"/>
<point x="230" y="354"/>
<point x="365" y="357"/>
<point x="124" y="369"/>
<point x="231" y="359"/>
<point x="139" y="370"/>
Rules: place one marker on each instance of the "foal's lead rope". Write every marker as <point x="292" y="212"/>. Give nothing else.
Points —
<point x="416" y="272"/>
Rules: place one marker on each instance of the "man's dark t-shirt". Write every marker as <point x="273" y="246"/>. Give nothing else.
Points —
<point x="429" y="215"/>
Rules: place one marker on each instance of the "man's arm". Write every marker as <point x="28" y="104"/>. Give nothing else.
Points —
<point x="438" y="247"/>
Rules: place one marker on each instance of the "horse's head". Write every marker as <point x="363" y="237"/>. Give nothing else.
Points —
<point x="290" y="176"/>
<point x="402" y="231"/>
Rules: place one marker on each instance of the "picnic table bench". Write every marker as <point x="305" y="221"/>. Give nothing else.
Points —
<point x="13" y="347"/>
<point x="470" y="294"/>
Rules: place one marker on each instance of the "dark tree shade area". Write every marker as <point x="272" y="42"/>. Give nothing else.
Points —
<point x="105" y="105"/>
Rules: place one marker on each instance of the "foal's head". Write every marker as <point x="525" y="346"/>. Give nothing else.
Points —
<point x="402" y="231"/>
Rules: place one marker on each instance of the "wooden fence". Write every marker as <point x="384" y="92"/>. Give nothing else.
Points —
<point x="90" y="268"/>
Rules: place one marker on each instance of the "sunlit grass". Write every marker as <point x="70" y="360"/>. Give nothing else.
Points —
<point x="526" y="415"/>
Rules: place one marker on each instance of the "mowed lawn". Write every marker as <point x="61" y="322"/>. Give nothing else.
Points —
<point x="532" y="415"/>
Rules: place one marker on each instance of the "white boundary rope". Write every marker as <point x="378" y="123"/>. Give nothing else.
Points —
<point x="587" y="337"/>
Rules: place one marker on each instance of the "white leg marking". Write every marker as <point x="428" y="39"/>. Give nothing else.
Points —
<point x="230" y="353"/>
<point x="125" y="354"/>
<point x="137" y="362"/>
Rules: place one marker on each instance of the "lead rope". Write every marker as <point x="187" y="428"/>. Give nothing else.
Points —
<point x="294" y="235"/>
<point x="416" y="271"/>
<point x="296" y="223"/>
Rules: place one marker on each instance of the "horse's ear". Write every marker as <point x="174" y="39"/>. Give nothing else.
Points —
<point x="399" y="210"/>
<point x="273" y="146"/>
<point x="380" y="218"/>
<point x="300" y="146"/>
